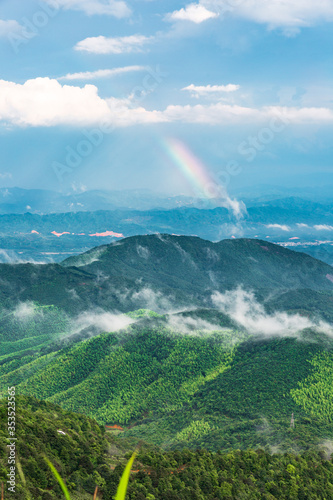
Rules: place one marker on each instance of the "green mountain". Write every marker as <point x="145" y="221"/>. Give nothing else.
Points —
<point x="193" y="371"/>
<point x="184" y="270"/>
<point x="75" y="444"/>
<point x="219" y="390"/>
<point x="187" y="270"/>
<point x="86" y="456"/>
<point x="191" y="264"/>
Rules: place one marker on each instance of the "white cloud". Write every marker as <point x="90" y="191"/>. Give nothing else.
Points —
<point x="278" y="226"/>
<point x="189" y="325"/>
<point x="149" y="299"/>
<point x="244" y="309"/>
<point x="116" y="8"/>
<point x="45" y="102"/>
<point x="5" y="175"/>
<point x="105" y="321"/>
<point x="9" y="28"/>
<point x="101" y="73"/>
<point x="199" y="90"/>
<point x="287" y="14"/>
<point x="195" y="13"/>
<point x="301" y="225"/>
<point x="25" y="311"/>
<point x="113" y="45"/>
<point x="143" y="252"/>
<point x="323" y="227"/>
<point x="227" y="114"/>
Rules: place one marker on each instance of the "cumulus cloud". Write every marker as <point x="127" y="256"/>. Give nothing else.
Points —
<point x="245" y="310"/>
<point x="116" y="8"/>
<point x="194" y="13"/>
<point x="101" y="73"/>
<point x="113" y="45"/>
<point x="283" y="227"/>
<point x="46" y="102"/>
<point x="287" y="14"/>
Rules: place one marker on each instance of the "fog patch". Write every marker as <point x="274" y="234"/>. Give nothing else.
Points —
<point x="149" y="299"/>
<point x="213" y="278"/>
<point x="190" y="325"/>
<point x="73" y="294"/>
<point x="186" y="257"/>
<point x="143" y="252"/>
<point x="26" y="311"/>
<point x="327" y="447"/>
<point x="11" y="257"/>
<point x="101" y="320"/>
<point x="89" y="258"/>
<point x="212" y="255"/>
<point x="243" y="308"/>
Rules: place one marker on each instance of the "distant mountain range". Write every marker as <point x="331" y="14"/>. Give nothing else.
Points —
<point x="40" y="201"/>
<point x="14" y="200"/>
<point x="300" y="224"/>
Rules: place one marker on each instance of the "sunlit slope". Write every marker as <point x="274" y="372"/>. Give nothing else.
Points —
<point x="215" y="390"/>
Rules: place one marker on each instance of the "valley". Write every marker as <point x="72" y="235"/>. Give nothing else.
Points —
<point x="189" y="343"/>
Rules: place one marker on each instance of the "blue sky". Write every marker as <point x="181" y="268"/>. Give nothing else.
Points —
<point x="91" y="92"/>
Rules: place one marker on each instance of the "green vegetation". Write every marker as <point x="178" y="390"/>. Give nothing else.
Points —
<point x="179" y="270"/>
<point x="213" y="388"/>
<point x="144" y="313"/>
<point x="218" y="390"/>
<point x="28" y="322"/>
<point x="123" y="484"/>
<point x="315" y="393"/>
<point x="84" y="456"/>
<point x="250" y="475"/>
<point x="141" y="372"/>
<point x="78" y="451"/>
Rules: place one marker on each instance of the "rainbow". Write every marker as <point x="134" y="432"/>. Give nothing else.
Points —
<point x="192" y="168"/>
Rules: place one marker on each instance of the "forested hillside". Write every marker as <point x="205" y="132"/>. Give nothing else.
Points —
<point x="167" y="272"/>
<point x="220" y="389"/>
<point x="74" y="443"/>
<point x="184" y="344"/>
<point x="86" y="456"/>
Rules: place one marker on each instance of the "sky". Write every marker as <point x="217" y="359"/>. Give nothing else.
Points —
<point x="181" y="98"/>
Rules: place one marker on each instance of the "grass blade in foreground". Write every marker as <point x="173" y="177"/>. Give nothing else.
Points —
<point x="59" y="479"/>
<point x="21" y="473"/>
<point x="122" y="488"/>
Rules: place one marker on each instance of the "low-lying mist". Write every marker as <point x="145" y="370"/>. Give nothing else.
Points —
<point x="101" y="320"/>
<point x="243" y="308"/>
